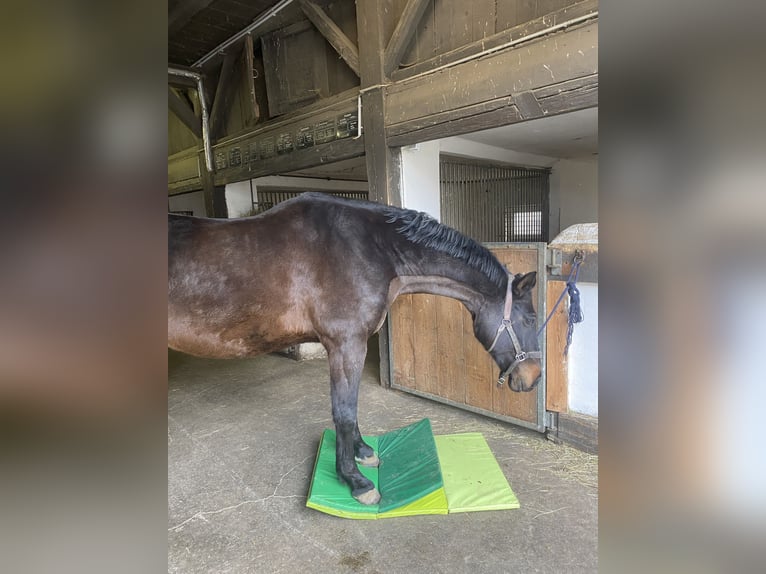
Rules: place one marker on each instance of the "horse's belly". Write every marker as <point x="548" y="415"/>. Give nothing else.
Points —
<point x="204" y="343"/>
<point x="195" y="336"/>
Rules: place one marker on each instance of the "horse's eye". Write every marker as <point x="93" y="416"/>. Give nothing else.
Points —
<point x="530" y="321"/>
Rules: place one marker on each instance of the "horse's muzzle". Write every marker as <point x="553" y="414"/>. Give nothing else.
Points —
<point x="525" y="377"/>
<point x="519" y="386"/>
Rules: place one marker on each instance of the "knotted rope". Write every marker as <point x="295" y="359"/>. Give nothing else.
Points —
<point x="575" y="310"/>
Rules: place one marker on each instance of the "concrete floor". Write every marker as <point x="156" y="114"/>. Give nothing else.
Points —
<point x="242" y="436"/>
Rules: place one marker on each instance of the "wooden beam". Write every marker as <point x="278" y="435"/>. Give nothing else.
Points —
<point x="181" y="81"/>
<point x="320" y="154"/>
<point x="215" y="195"/>
<point x="528" y="106"/>
<point x="402" y="36"/>
<point x="585" y="9"/>
<point x="556" y="99"/>
<point x="382" y="161"/>
<point x="345" y="48"/>
<point x="248" y="146"/>
<point x="580" y="431"/>
<point x="248" y="65"/>
<point x="185" y="113"/>
<point x="183" y="12"/>
<point x="223" y="93"/>
<point x="279" y="15"/>
<point x="550" y="60"/>
<point x="184" y="171"/>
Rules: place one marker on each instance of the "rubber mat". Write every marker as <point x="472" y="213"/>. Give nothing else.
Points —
<point x="418" y="474"/>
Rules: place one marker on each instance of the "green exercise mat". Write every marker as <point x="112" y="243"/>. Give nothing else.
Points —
<point x="419" y="473"/>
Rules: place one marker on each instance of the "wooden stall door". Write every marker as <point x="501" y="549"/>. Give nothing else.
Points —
<point x="434" y="353"/>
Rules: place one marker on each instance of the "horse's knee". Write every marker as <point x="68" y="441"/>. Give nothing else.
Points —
<point x="345" y="425"/>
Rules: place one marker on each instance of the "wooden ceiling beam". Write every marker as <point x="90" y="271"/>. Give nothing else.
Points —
<point x="248" y="64"/>
<point x="223" y="92"/>
<point x="403" y="33"/>
<point x="181" y="81"/>
<point x="184" y="12"/>
<point x="341" y="43"/>
<point x="266" y="20"/>
<point x="185" y="113"/>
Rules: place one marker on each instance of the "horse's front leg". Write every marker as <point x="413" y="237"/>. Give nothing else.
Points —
<point x="346" y="363"/>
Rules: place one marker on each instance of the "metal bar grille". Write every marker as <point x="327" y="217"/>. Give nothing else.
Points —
<point x="268" y="199"/>
<point x="495" y="203"/>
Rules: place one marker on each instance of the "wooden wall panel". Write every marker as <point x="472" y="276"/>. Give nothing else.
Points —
<point x="180" y="138"/>
<point x="514" y="12"/>
<point x="450" y="372"/>
<point x="426" y="337"/>
<point x="422" y="45"/>
<point x="458" y="23"/>
<point x="448" y="25"/>
<point x="479" y="369"/>
<point x="403" y="325"/>
<point x="556" y="362"/>
<point x="339" y="76"/>
<point x="296" y="67"/>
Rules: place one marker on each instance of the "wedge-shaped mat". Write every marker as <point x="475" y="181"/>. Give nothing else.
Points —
<point x="472" y="478"/>
<point x="418" y="474"/>
<point x="408" y="478"/>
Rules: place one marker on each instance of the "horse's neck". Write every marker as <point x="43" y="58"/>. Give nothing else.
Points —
<point x="456" y="281"/>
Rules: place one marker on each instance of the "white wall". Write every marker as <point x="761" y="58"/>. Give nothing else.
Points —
<point x="465" y="148"/>
<point x="420" y="178"/>
<point x="239" y="199"/>
<point x="583" y="355"/>
<point x="194" y="201"/>
<point x="573" y="193"/>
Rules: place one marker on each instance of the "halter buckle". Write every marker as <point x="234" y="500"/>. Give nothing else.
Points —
<point x="522" y="356"/>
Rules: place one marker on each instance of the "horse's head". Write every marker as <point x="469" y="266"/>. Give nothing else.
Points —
<point x="508" y="330"/>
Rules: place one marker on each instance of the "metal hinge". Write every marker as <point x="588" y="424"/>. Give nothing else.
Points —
<point x="551" y="420"/>
<point x="553" y="261"/>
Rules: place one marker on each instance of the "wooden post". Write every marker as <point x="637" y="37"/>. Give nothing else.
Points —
<point x="383" y="175"/>
<point x="215" y="195"/>
<point x="556" y="364"/>
<point x="345" y="48"/>
<point x="248" y="63"/>
<point x="402" y="36"/>
<point x="185" y="113"/>
<point x="382" y="161"/>
<point x="223" y="92"/>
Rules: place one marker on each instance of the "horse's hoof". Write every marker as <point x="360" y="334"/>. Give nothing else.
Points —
<point x="371" y="460"/>
<point x="369" y="497"/>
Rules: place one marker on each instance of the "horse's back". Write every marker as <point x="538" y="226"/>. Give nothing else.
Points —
<point x="246" y="286"/>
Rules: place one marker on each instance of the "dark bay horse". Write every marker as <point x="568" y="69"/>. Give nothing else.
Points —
<point x="323" y="269"/>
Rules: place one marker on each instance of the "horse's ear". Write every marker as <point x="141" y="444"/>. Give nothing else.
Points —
<point x="522" y="284"/>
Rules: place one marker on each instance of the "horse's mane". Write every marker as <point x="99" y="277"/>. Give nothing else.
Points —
<point x="422" y="229"/>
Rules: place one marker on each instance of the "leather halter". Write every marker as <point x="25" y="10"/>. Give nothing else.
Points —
<point x="507" y="326"/>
